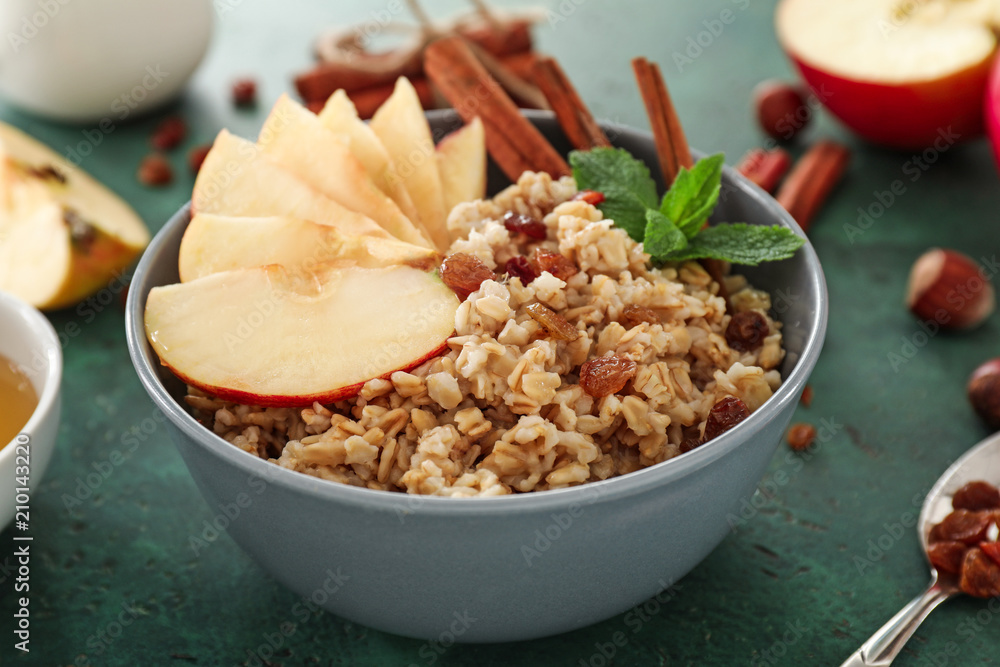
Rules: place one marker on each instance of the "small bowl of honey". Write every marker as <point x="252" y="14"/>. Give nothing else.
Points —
<point x="30" y="378"/>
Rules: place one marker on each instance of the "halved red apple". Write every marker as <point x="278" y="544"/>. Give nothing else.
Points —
<point x="215" y="243"/>
<point x="897" y="72"/>
<point x="271" y="337"/>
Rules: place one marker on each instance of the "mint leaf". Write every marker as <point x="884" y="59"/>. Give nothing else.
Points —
<point x="662" y="236"/>
<point x="695" y="191"/>
<point x="740" y="243"/>
<point x="628" y="188"/>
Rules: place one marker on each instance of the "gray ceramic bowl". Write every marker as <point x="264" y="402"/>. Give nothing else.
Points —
<point x="496" y="569"/>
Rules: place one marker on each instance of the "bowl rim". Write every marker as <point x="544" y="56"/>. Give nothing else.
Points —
<point x="622" y="486"/>
<point x="43" y="334"/>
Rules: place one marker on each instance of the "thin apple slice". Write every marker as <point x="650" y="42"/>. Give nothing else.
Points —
<point x="236" y="179"/>
<point x="63" y="235"/>
<point x="214" y="243"/>
<point x="294" y="138"/>
<point x="340" y="116"/>
<point x="461" y="158"/>
<point x="402" y="126"/>
<point x="267" y="336"/>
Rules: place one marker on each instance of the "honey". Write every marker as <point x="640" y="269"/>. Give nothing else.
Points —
<point x="17" y="400"/>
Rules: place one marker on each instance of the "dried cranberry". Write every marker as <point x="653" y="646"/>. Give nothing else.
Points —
<point x="724" y="415"/>
<point x="155" y="170"/>
<point x="555" y="324"/>
<point x="197" y="156"/>
<point x="980" y="574"/>
<point x="633" y="315"/>
<point x="522" y="224"/>
<point x="962" y="526"/>
<point x="169" y="133"/>
<point x="801" y="436"/>
<point x="520" y="267"/>
<point x="592" y="197"/>
<point x="604" y="376"/>
<point x="464" y="273"/>
<point x="947" y="556"/>
<point x="976" y="496"/>
<point x="560" y="266"/>
<point x="747" y="330"/>
<point x="244" y="92"/>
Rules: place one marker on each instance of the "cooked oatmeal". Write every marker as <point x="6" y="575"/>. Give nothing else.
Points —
<point x="504" y="410"/>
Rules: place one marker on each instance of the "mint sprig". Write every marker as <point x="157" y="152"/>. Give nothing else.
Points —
<point x="674" y="230"/>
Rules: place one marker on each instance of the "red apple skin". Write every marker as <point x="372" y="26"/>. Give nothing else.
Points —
<point x="909" y="116"/>
<point x="325" y="398"/>
<point x="992" y="109"/>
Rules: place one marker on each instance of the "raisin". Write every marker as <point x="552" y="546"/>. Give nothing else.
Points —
<point x="991" y="549"/>
<point x="197" y="156"/>
<point x="522" y="224"/>
<point x="962" y="526"/>
<point x="555" y="324"/>
<point x="806" y="398"/>
<point x="47" y="173"/>
<point x="520" y="267"/>
<point x="168" y="134"/>
<point x="633" y="315"/>
<point x="245" y="92"/>
<point x="464" y="273"/>
<point x="688" y="444"/>
<point x="604" y="376"/>
<point x="976" y="496"/>
<point x="801" y="436"/>
<point x="724" y="415"/>
<point x="592" y="197"/>
<point x="560" y="266"/>
<point x="980" y="574"/>
<point x="155" y="170"/>
<point x="747" y="330"/>
<point x="947" y="556"/>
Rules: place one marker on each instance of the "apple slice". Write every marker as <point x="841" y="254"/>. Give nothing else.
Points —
<point x="402" y="126"/>
<point x="340" y="116"/>
<point x="63" y="235"/>
<point x="236" y="179"/>
<point x="461" y="159"/>
<point x="214" y="243"/>
<point x="902" y="74"/>
<point x="294" y="138"/>
<point x="270" y="337"/>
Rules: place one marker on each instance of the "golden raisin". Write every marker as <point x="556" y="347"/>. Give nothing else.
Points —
<point x="464" y="273"/>
<point x="980" y="574"/>
<point x="560" y="266"/>
<point x="634" y="315"/>
<point x="801" y="436"/>
<point x="747" y="330"/>
<point x="976" y="496"/>
<point x="724" y="415"/>
<point x="962" y="526"/>
<point x="947" y="556"/>
<point x="555" y="324"/>
<point x="604" y="376"/>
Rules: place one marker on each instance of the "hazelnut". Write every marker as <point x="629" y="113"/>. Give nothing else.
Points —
<point x="984" y="392"/>
<point x="782" y="110"/>
<point x="950" y="289"/>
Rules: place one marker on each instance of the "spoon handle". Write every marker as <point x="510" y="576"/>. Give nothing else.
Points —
<point x="883" y="646"/>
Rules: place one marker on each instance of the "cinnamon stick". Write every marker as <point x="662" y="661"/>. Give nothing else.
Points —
<point x="671" y="145"/>
<point x="512" y="141"/>
<point x="765" y="168"/>
<point x="573" y="115"/>
<point x="812" y="179"/>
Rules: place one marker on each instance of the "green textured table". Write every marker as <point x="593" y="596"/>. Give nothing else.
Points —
<point x="821" y="560"/>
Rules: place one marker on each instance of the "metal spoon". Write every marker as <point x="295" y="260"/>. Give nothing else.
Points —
<point x="982" y="462"/>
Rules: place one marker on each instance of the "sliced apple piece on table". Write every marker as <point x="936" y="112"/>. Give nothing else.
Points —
<point x="461" y="158"/>
<point x="63" y="235"/>
<point x="271" y="337"/>
<point x="294" y="138"/>
<point x="214" y="243"/>
<point x="237" y="179"/>
<point x="402" y="126"/>
<point x="340" y="116"/>
<point x="901" y="74"/>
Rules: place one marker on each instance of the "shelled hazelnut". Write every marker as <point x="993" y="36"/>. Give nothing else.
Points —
<point x="984" y="392"/>
<point x="950" y="289"/>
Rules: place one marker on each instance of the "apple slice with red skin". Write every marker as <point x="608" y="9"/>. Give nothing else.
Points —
<point x="271" y="337"/>
<point x="992" y="110"/>
<point x="907" y="75"/>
